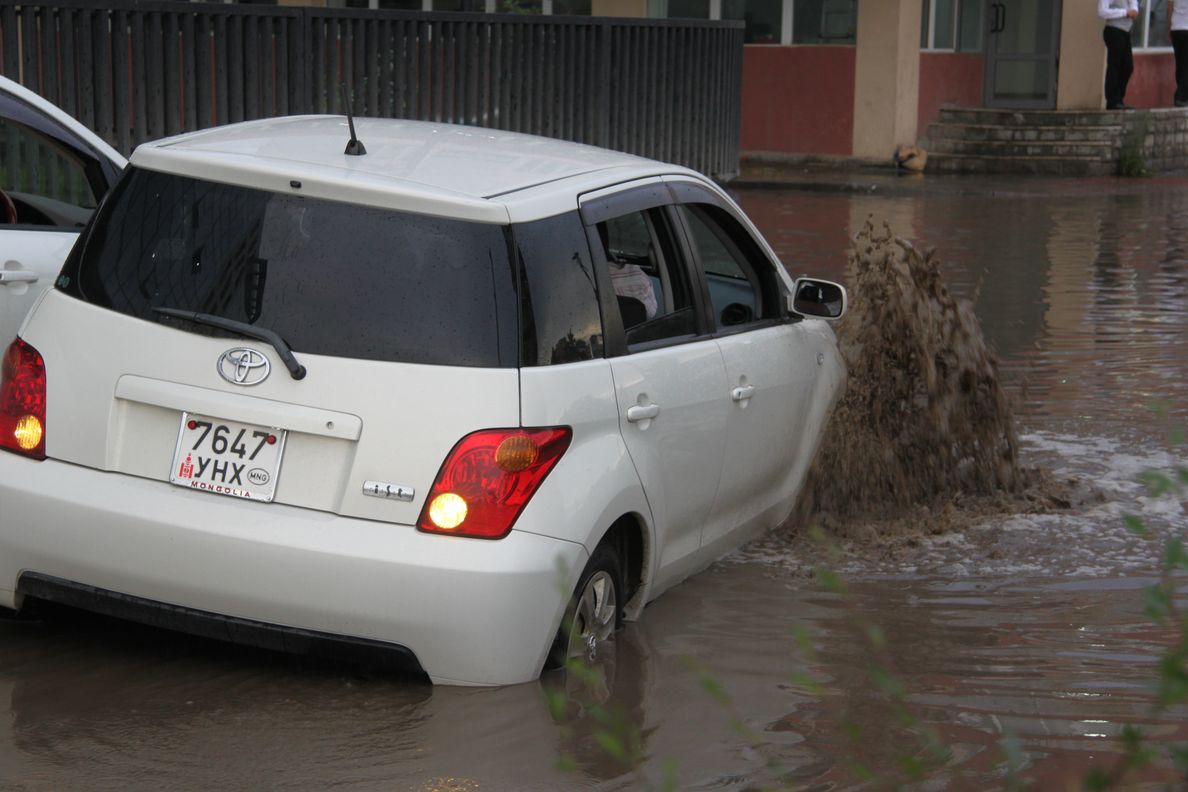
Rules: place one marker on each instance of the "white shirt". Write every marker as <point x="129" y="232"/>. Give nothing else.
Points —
<point x="1179" y="17"/>
<point x="1114" y="12"/>
<point x="629" y="280"/>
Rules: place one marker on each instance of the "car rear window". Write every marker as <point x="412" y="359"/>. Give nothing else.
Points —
<point x="331" y="278"/>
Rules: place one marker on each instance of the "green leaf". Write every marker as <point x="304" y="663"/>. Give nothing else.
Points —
<point x="1136" y="526"/>
<point x="1179" y="755"/>
<point x="810" y="685"/>
<point x="1174" y="555"/>
<point x="874" y="634"/>
<point x="557" y="703"/>
<point x="1158" y="604"/>
<point x="830" y="580"/>
<point x="1012" y="749"/>
<point x="670" y="775"/>
<point x="885" y="682"/>
<point x="1157" y="483"/>
<point x="1131" y="738"/>
<point x="912" y="766"/>
<point x="1097" y="780"/>
<point x="804" y="641"/>
<point x="714" y="688"/>
<point x="612" y="745"/>
<point x="860" y="771"/>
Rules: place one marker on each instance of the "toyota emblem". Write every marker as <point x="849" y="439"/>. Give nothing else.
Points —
<point x="243" y="366"/>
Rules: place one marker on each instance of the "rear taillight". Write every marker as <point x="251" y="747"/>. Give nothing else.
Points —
<point x="488" y="478"/>
<point x="22" y="401"/>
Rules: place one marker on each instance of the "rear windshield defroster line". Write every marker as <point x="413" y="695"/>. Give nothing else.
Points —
<point x="330" y="278"/>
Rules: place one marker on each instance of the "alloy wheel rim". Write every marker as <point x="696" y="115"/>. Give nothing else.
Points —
<point x="594" y="618"/>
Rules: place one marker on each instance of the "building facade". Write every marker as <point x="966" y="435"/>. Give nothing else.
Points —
<point x="855" y="78"/>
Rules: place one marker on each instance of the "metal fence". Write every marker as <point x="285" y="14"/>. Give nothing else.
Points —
<point x="135" y="71"/>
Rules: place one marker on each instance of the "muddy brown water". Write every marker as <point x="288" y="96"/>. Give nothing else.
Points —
<point x="1019" y="638"/>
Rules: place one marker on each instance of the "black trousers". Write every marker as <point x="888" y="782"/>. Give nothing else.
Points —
<point x="1119" y="65"/>
<point x="1180" y="45"/>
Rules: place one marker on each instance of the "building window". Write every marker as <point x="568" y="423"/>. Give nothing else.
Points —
<point x="1150" y="30"/>
<point x="824" y="21"/>
<point x="572" y="7"/>
<point x="764" y="19"/>
<point x="679" y="9"/>
<point x="952" y="25"/>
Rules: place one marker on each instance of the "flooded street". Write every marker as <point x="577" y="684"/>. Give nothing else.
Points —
<point x="1020" y="640"/>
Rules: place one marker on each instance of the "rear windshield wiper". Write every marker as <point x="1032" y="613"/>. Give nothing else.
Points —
<point x="259" y="333"/>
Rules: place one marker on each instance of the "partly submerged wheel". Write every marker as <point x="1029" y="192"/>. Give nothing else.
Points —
<point x="588" y="630"/>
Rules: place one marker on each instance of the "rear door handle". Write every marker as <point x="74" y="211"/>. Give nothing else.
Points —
<point x="742" y="392"/>
<point x="18" y="276"/>
<point x="640" y="412"/>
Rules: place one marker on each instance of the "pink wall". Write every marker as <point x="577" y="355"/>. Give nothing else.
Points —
<point x="798" y="100"/>
<point x="948" y="78"/>
<point x="1153" y="83"/>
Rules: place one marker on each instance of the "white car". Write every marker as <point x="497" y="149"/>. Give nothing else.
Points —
<point x="408" y="403"/>
<point x="53" y="173"/>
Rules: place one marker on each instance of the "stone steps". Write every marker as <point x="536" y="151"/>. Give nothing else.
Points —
<point x="1052" y="142"/>
<point x="1101" y="150"/>
<point x="1039" y="165"/>
<point x="950" y="130"/>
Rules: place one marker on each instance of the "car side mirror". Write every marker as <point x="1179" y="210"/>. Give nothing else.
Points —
<point x="819" y="298"/>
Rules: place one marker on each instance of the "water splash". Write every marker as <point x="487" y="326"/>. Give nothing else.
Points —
<point x="924" y="418"/>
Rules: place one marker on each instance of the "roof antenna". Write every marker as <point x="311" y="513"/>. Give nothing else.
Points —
<point x="354" y="146"/>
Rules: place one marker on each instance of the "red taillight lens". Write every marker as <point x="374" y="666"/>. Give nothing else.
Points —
<point x="488" y="478"/>
<point x="22" y="401"/>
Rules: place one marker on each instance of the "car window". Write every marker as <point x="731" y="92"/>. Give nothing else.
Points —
<point x="559" y="321"/>
<point x="46" y="180"/>
<point x="330" y="278"/>
<point x="741" y="283"/>
<point x="652" y="290"/>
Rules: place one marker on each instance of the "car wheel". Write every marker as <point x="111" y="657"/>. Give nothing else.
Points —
<point x="587" y="632"/>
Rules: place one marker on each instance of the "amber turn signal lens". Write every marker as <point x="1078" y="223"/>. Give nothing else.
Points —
<point x="516" y="453"/>
<point x="28" y="432"/>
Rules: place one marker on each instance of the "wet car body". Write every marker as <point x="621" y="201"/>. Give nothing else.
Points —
<point x="403" y="401"/>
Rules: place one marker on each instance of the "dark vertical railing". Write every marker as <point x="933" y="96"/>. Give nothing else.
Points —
<point x="134" y="70"/>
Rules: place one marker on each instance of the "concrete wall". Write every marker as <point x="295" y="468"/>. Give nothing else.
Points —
<point x="948" y="78"/>
<point x="798" y="100"/>
<point x="1153" y="83"/>
<point x="1079" y="84"/>
<point x="619" y="8"/>
<point x="886" y="80"/>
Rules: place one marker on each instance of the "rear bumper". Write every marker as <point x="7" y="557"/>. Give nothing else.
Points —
<point x="469" y="611"/>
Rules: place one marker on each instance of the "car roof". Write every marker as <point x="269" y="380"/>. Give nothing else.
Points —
<point x="431" y="168"/>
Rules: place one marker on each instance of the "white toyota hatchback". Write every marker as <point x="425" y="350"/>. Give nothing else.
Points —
<point x="414" y="402"/>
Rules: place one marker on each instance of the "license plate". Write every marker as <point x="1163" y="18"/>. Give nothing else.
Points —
<point x="227" y="458"/>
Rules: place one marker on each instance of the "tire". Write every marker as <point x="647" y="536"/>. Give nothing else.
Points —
<point x="594" y="614"/>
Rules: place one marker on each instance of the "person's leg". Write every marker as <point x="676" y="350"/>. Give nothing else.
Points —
<point x="1113" y="91"/>
<point x="1126" y="67"/>
<point x="1180" y="45"/>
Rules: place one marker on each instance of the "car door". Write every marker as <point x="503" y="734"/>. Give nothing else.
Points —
<point x="770" y="363"/>
<point x="670" y="384"/>
<point x="53" y="172"/>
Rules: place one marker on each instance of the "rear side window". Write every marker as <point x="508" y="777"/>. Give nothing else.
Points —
<point x="331" y="278"/>
<point x="559" y="310"/>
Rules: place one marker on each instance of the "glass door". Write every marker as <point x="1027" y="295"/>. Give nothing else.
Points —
<point x="1022" y="40"/>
